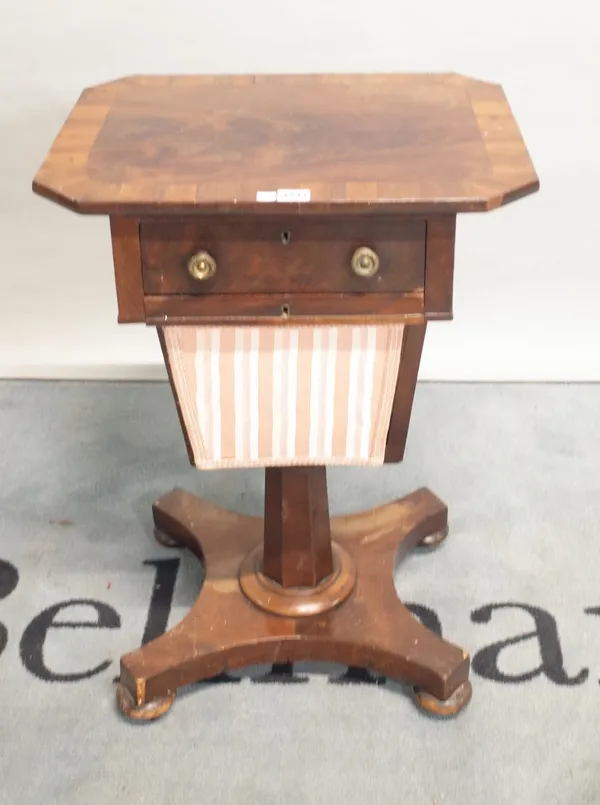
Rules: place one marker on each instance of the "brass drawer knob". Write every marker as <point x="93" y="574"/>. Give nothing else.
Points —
<point x="365" y="262"/>
<point x="202" y="266"/>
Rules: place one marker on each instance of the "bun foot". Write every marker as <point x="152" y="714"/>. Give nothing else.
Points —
<point x="165" y="540"/>
<point x="149" y="711"/>
<point x="435" y="539"/>
<point x="446" y="708"/>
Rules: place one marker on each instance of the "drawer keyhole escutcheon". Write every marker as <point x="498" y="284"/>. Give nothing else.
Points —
<point x="285" y="311"/>
<point x="286" y="236"/>
<point x="365" y="262"/>
<point x="202" y="266"/>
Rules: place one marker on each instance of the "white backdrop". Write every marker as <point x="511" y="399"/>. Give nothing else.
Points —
<point x="527" y="284"/>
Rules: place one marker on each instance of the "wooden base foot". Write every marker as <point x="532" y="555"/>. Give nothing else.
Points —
<point x="367" y="627"/>
<point x="149" y="711"/>
<point x="165" y="540"/>
<point x="435" y="539"/>
<point x="446" y="708"/>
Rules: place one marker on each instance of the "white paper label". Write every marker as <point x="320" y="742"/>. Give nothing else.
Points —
<point x="266" y="195"/>
<point x="293" y="194"/>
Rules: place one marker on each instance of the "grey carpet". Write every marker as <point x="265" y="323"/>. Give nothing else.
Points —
<point x="519" y="467"/>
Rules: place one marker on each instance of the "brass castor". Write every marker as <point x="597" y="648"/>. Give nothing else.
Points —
<point x="446" y="708"/>
<point x="149" y="711"/>
<point x="435" y="539"/>
<point x="165" y="540"/>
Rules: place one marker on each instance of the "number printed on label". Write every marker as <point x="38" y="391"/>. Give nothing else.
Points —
<point x="284" y="195"/>
<point x="297" y="194"/>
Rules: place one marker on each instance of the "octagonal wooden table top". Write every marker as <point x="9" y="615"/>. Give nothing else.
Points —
<point x="178" y="144"/>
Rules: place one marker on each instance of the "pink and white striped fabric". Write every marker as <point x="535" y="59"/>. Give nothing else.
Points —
<point x="260" y="396"/>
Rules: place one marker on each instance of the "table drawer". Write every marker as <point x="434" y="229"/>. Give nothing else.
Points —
<point x="282" y="254"/>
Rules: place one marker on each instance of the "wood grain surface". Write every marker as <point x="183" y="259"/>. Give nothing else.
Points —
<point x="439" y="266"/>
<point x="412" y="347"/>
<point x="127" y="259"/>
<point x="358" y="142"/>
<point x="297" y="537"/>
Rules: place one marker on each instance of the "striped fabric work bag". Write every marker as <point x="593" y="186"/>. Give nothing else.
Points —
<point x="260" y="396"/>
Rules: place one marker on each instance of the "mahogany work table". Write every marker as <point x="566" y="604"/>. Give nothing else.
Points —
<point x="290" y="237"/>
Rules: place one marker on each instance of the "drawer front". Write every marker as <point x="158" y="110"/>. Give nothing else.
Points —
<point x="282" y="255"/>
